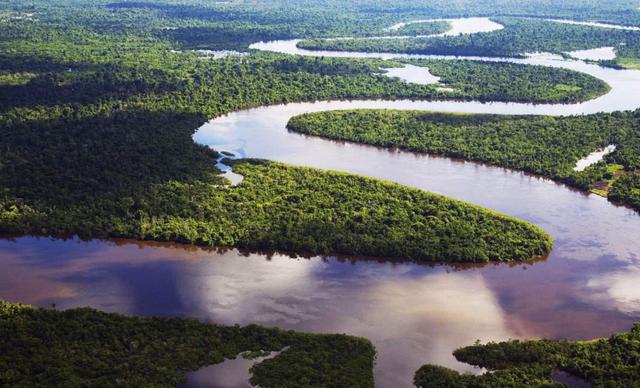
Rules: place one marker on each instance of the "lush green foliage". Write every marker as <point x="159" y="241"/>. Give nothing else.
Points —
<point x="236" y="23"/>
<point x="85" y="347"/>
<point x="613" y="362"/>
<point x="118" y="160"/>
<point x="96" y="113"/>
<point x="520" y="35"/>
<point x="513" y="82"/>
<point x="97" y="142"/>
<point x="296" y="209"/>
<point x="416" y="29"/>
<point x="544" y="145"/>
<point x="627" y="190"/>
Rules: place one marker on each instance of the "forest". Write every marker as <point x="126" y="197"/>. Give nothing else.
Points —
<point x="276" y="207"/>
<point x="105" y="149"/>
<point x="86" y="347"/>
<point x="98" y="104"/>
<point x="503" y="81"/>
<point x="612" y="362"/>
<point x="96" y="140"/>
<point x="236" y="24"/>
<point x="544" y="145"/>
<point x="520" y="36"/>
<point x="160" y="351"/>
<point x="626" y="190"/>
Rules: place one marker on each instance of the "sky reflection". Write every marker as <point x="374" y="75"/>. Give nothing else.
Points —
<point x="413" y="313"/>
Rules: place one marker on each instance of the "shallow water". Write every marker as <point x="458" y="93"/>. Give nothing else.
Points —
<point x="597" y="54"/>
<point x="594" y="157"/>
<point x="232" y="373"/>
<point x="413" y="313"/>
<point x="459" y="26"/>
<point x="413" y="74"/>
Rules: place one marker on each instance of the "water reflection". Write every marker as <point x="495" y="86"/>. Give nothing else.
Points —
<point x="232" y="373"/>
<point x="413" y="313"/>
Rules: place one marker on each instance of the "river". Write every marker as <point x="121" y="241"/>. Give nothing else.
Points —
<point x="413" y="313"/>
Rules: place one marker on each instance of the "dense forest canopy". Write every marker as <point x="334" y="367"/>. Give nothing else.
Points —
<point x="544" y="145"/>
<point x="96" y="131"/>
<point x="85" y="347"/>
<point x="98" y="103"/>
<point x="238" y="23"/>
<point x="519" y="36"/>
<point x="612" y="362"/>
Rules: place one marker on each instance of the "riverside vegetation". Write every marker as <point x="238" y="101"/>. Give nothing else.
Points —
<point x="612" y="362"/>
<point x="236" y="24"/>
<point x="85" y="347"/>
<point x="108" y="348"/>
<point x="97" y="107"/>
<point x="520" y="36"/>
<point x="96" y="141"/>
<point x="99" y="153"/>
<point x="544" y="145"/>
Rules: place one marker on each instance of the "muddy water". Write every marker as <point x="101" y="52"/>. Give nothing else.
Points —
<point x="413" y="313"/>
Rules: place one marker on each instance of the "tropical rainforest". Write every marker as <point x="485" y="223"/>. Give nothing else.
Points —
<point x="518" y="37"/>
<point x="88" y="347"/>
<point x="96" y="140"/>
<point x="544" y="145"/>
<point x="85" y="347"/>
<point x="98" y="104"/>
<point x="611" y="362"/>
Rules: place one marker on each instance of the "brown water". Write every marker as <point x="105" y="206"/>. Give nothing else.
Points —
<point x="414" y="314"/>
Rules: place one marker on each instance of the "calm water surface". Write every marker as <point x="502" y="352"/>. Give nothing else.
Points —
<point x="414" y="314"/>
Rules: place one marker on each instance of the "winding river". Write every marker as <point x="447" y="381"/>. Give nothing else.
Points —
<point x="413" y="313"/>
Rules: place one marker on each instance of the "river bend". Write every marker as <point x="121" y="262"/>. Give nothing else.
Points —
<point x="413" y="313"/>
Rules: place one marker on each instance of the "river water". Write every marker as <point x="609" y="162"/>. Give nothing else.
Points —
<point x="413" y="313"/>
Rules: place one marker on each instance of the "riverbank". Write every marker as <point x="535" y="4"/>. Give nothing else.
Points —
<point x="548" y="146"/>
<point x="301" y="210"/>
<point x="612" y="362"/>
<point x="88" y="347"/>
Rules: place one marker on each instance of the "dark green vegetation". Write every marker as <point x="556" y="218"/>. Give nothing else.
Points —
<point x="513" y="82"/>
<point x="85" y="347"/>
<point x="96" y="114"/>
<point x="626" y="190"/>
<point x="295" y="209"/>
<point x="426" y="28"/>
<point x="105" y="150"/>
<point x="518" y="37"/>
<point x="236" y="24"/>
<point x="544" y="145"/>
<point x="95" y="140"/>
<point x="613" y="362"/>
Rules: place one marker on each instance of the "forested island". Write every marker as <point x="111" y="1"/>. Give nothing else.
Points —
<point x="544" y="145"/>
